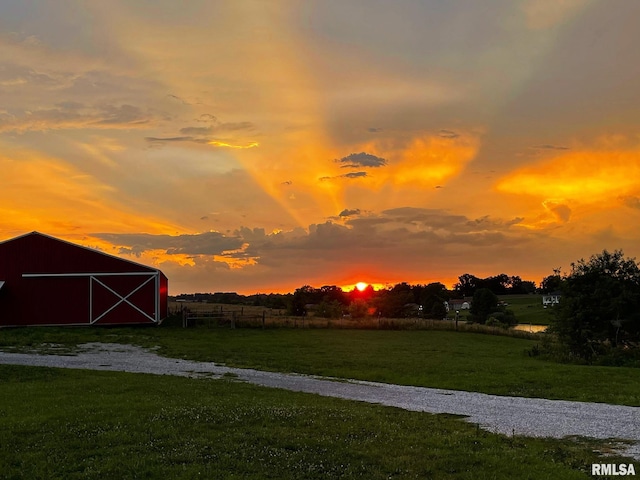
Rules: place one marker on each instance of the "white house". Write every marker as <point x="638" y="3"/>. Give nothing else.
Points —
<point x="458" y="305"/>
<point x="551" y="299"/>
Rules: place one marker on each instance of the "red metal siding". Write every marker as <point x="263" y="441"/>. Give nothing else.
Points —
<point x="164" y="293"/>
<point x="124" y="300"/>
<point x="64" y="300"/>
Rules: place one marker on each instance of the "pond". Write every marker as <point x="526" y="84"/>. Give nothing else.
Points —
<point x="527" y="327"/>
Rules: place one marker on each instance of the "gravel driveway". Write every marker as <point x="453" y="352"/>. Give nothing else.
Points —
<point x="508" y="415"/>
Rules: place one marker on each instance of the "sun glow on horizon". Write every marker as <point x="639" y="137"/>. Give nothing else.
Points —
<point x="362" y="286"/>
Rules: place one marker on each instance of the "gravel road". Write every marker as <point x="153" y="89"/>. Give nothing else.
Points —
<point x="508" y="415"/>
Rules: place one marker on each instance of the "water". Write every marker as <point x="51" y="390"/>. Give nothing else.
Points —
<point x="526" y="327"/>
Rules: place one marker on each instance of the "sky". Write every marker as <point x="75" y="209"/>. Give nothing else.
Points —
<point x="258" y="146"/>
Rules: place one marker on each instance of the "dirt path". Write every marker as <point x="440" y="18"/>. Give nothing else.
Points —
<point x="507" y="415"/>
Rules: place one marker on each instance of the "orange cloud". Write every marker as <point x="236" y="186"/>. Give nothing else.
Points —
<point x="433" y="159"/>
<point x="47" y="194"/>
<point x="585" y="177"/>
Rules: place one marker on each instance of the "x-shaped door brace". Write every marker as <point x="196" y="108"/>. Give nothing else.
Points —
<point x="122" y="299"/>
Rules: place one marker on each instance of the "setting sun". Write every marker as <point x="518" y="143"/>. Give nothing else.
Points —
<point x="361" y="286"/>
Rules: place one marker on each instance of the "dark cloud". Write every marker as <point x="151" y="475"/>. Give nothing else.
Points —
<point x="362" y="159"/>
<point x="217" y="127"/>
<point x="206" y="118"/>
<point x="348" y="213"/>
<point x="448" y="134"/>
<point x="368" y="222"/>
<point x="410" y="240"/>
<point x="561" y="211"/>
<point x="487" y="223"/>
<point x="374" y="130"/>
<point x="346" y="175"/>
<point x="354" y="175"/>
<point x="174" y="139"/>
<point x="631" y="201"/>
<point x="72" y="115"/>
<point x="432" y="217"/>
<point x="18" y="76"/>
<point x="208" y="243"/>
<point x="435" y="219"/>
<point x="550" y="147"/>
<point x="181" y="100"/>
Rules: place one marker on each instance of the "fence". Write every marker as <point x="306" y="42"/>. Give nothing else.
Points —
<point x="221" y="318"/>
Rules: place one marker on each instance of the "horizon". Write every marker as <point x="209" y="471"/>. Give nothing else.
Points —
<point x="249" y="146"/>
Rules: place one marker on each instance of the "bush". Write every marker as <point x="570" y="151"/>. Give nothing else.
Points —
<point x="600" y="306"/>
<point x="358" y="309"/>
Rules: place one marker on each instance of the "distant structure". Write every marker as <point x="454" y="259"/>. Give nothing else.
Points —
<point x="552" y="298"/>
<point x="48" y="281"/>
<point x="457" y="305"/>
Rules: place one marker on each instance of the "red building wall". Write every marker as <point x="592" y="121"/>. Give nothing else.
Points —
<point x="53" y="282"/>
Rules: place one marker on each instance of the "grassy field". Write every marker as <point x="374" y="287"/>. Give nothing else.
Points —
<point x="65" y="424"/>
<point x="527" y="308"/>
<point x="444" y="359"/>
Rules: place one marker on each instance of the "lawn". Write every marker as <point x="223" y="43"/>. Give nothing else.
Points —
<point x="444" y="359"/>
<point x="528" y="309"/>
<point x="65" y="424"/>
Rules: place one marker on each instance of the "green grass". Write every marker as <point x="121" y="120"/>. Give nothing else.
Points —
<point x="66" y="424"/>
<point x="444" y="359"/>
<point x="528" y="309"/>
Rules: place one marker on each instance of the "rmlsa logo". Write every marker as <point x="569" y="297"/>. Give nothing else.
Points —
<point x="612" y="469"/>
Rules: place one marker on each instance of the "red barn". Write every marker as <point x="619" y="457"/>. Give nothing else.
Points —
<point x="47" y="281"/>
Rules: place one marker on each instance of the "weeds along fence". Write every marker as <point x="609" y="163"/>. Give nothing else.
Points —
<point x="221" y="317"/>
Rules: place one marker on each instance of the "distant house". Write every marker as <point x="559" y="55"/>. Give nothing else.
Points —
<point x="458" y="304"/>
<point x="552" y="298"/>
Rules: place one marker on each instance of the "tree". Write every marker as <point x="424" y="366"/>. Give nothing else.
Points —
<point x="519" y="286"/>
<point x="301" y="297"/>
<point x="467" y="284"/>
<point x="551" y="283"/>
<point x="390" y="303"/>
<point x="438" y="310"/>
<point x="483" y="304"/>
<point x="431" y="297"/>
<point x="331" y="309"/>
<point x="498" y="284"/>
<point x="358" y="309"/>
<point x="599" y="305"/>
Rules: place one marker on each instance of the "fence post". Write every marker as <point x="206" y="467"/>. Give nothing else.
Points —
<point x="233" y="319"/>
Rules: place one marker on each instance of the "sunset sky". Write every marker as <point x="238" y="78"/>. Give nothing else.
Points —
<point x="257" y="146"/>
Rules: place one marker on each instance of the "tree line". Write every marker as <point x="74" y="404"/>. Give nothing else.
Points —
<point x="397" y="301"/>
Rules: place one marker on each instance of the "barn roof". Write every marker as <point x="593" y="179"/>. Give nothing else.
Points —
<point x="49" y="238"/>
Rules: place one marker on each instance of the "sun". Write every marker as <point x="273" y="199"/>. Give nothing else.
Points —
<point x="361" y="286"/>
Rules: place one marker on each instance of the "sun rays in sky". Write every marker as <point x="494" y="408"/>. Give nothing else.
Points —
<point x="260" y="146"/>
